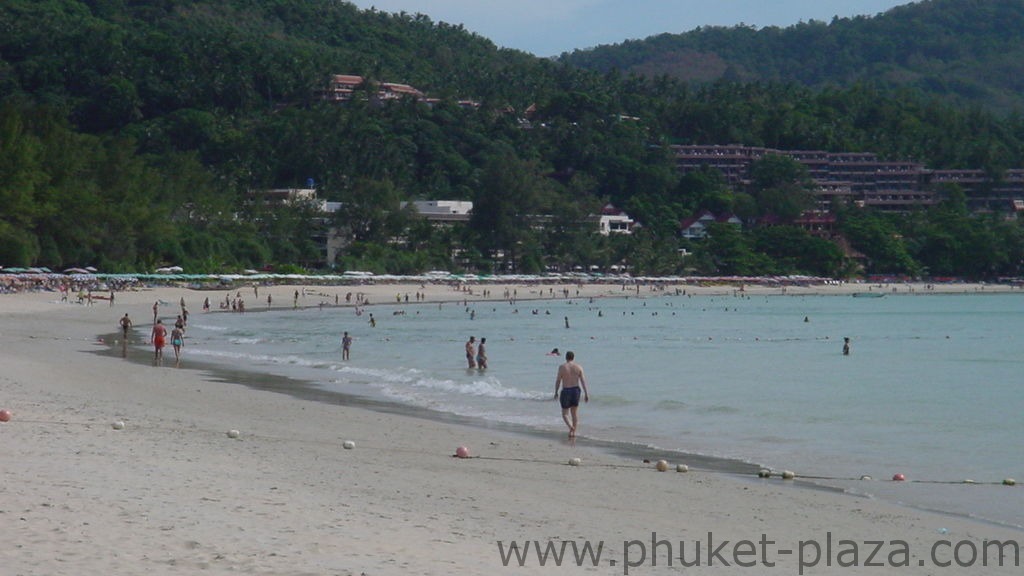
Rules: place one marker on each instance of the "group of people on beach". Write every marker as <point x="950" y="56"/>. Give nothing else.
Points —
<point x="476" y="356"/>
<point x="570" y="382"/>
<point x="159" y="334"/>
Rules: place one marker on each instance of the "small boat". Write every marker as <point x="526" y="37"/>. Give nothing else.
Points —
<point x="868" y="294"/>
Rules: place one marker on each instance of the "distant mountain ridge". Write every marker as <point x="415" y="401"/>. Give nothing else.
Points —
<point x="966" y="51"/>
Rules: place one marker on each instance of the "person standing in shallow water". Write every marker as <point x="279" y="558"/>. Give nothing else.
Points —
<point x="471" y="352"/>
<point x="570" y="378"/>
<point x="846" y="346"/>
<point x="481" y="355"/>
<point x="346" y="345"/>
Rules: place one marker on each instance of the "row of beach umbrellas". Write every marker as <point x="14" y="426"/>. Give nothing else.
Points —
<point x="45" y="270"/>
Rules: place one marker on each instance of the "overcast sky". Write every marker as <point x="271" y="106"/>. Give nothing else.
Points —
<point x="550" y="27"/>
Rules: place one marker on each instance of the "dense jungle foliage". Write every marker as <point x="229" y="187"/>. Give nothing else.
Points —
<point x="132" y="133"/>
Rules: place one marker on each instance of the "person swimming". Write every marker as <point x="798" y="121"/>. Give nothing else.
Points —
<point x="554" y="352"/>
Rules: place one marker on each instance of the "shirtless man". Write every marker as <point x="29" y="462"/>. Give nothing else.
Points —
<point x="570" y="378"/>
<point x="159" y="338"/>
<point x="471" y="352"/>
<point x="126" y="326"/>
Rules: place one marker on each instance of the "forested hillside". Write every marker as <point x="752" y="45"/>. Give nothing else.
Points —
<point x="132" y="134"/>
<point x="965" y="51"/>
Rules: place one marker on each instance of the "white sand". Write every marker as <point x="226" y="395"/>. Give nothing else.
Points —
<point x="172" y="494"/>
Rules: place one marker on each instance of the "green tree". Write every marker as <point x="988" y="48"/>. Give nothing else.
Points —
<point x="507" y="208"/>
<point x="781" y="186"/>
<point x="795" y="251"/>
<point x="731" y="254"/>
<point x="370" y="211"/>
<point x="880" y="240"/>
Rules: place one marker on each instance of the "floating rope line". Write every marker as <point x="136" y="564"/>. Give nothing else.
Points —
<point x="556" y="463"/>
<point x="898" y="478"/>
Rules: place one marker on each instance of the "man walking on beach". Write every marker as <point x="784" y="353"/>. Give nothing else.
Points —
<point x="159" y="337"/>
<point x="570" y="378"/>
<point x="126" y="328"/>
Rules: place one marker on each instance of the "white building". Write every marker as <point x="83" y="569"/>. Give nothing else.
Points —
<point x="614" y="221"/>
<point x="287" y="195"/>
<point x="697" y="226"/>
<point x="443" y="210"/>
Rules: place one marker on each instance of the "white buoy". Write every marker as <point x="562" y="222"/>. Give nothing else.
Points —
<point x="788" y="475"/>
<point x="865" y="477"/>
<point x="348" y="445"/>
<point x="119" y="425"/>
<point x="662" y="465"/>
<point x="1009" y="482"/>
<point x="968" y="481"/>
<point x="682" y="468"/>
<point x="234" y="433"/>
<point x="764" y="473"/>
<point x="575" y="461"/>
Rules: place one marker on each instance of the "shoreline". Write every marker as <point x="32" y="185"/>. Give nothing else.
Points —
<point x="171" y="493"/>
<point x="631" y="453"/>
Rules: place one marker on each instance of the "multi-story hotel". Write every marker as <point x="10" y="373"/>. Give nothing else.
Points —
<point x="861" y="178"/>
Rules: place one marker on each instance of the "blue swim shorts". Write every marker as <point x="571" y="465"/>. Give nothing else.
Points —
<point x="570" y="397"/>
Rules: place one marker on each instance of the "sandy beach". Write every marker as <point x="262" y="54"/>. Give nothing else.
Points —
<point x="172" y="493"/>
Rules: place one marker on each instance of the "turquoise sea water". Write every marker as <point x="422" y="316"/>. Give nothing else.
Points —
<point x="933" y="387"/>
